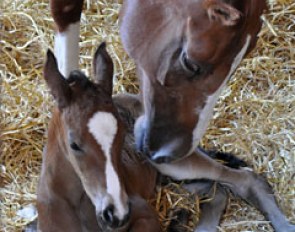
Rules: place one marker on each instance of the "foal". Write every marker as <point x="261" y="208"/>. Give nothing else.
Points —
<point x="87" y="183"/>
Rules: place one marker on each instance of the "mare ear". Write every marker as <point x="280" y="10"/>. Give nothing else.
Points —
<point x="221" y="12"/>
<point x="57" y="84"/>
<point x="103" y="68"/>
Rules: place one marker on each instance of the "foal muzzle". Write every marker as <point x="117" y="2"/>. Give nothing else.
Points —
<point x="108" y="219"/>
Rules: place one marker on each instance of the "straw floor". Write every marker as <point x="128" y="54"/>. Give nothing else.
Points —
<point x="254" y="118"/>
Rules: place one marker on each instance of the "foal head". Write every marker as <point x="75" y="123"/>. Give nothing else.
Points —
<point x="92" y="134"/>
<point x="185" y="52"/>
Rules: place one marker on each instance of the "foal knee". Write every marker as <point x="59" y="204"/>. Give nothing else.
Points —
<point x="146" y="225"/>
<point x="143" y="217"/>
<point x="212" y="211"/>
<point x="213" y="208"/>
<point x="251" y="187"/>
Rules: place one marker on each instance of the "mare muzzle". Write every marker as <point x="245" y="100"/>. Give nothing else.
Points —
<point x="162" y="143"/>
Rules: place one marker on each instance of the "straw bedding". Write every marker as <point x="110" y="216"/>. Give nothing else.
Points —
<point x="254" y="118"/>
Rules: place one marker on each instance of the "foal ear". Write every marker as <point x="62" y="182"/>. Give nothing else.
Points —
<point x="57" y="84"/>
<point x="103" y="68"/>
<point x="221" y="12"/>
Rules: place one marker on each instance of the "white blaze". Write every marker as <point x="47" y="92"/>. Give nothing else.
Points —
<point x="206" y="113"/>
<point x="66" y="49"/>
<point x="103" y="126"/>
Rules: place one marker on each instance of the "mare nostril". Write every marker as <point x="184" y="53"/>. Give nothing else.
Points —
<point x="161" y="159"/>
<point x="141" y="134"/>
<point x="142" y="144"/>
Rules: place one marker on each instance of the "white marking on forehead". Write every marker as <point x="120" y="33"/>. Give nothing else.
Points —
<point x="104" y="126"/>
<point x="66" y="49"/>
<point x="206" y="113"/>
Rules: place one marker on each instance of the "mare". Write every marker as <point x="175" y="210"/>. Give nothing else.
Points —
<point x="185" y="52"/>
<point x="87" y="182"/>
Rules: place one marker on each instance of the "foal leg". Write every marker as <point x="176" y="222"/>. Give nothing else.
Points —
<point x="143" y="217"/>
<point x="87" y="215"/>
<point x="56" y="215"/>
<point x="66" y="15"/>
<point x="249" y="186"/>
<point x="212" y="210"/>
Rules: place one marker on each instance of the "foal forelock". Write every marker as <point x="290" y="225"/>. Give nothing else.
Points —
<point x="205" y="114"/>
<point x="104" y="127"/>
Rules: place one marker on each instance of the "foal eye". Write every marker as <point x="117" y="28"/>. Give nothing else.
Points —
<point x="75" y="147"/>
<point x="189" y="65"/>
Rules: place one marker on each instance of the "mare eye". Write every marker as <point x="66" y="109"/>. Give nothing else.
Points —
<point x="75" y="147"/>
<point x="189" y="65"/>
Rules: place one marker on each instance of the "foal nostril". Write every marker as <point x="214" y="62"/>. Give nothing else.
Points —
<point x="109" y="218"/>
<point x="108" y="214"/>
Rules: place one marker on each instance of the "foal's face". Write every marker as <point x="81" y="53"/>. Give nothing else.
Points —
<point x="185" y="52"/>
<point x="93" y="135"/>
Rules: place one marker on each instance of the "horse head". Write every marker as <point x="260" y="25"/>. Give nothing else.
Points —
<point x="93" y="134"/>
<point x="185" y="52"/>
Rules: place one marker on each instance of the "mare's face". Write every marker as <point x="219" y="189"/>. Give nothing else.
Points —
<point x="93" y="135"/>
<point x="185" y="54"/>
